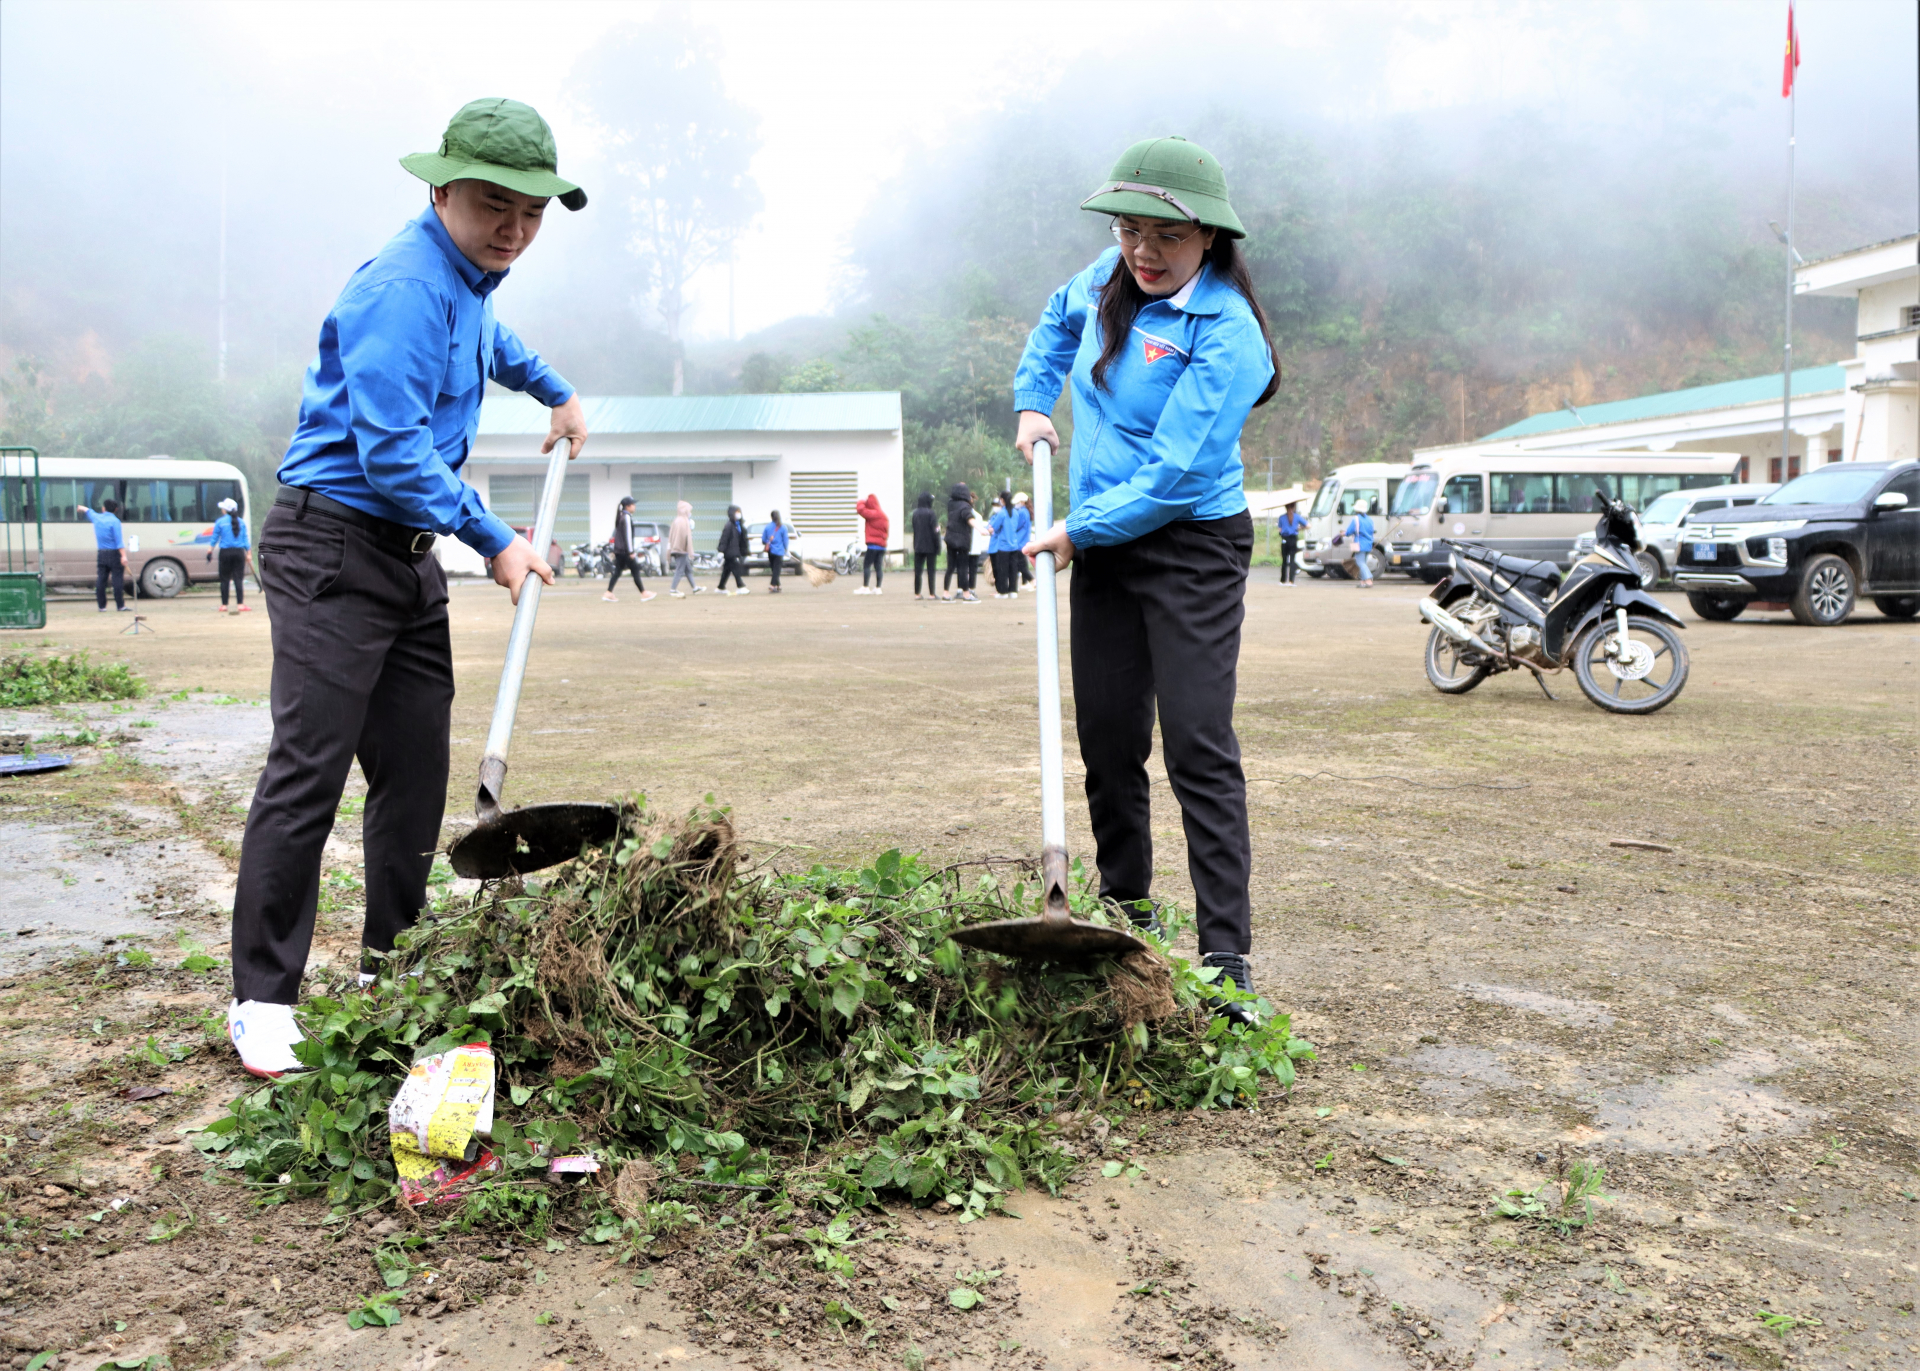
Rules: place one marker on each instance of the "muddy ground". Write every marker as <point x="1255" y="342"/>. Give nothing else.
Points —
<point x="1722" y="1016"/>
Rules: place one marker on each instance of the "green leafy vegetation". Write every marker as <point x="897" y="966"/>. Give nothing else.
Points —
<point x="31" y="678"/>
<point x="375" y="1311"/>
<point x="815" y="1037"/>
<point x="1565" y="1204"/>
<point x="1782" y="1324"/>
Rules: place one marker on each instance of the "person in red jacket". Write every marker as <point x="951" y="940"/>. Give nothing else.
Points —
<point x="873" y="567"/>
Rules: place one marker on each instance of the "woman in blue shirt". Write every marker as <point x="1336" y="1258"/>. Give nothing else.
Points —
<point x="1290" y="525"/>
<point x="1359" y="530"/>
<point x="231" y="544"/>
<point x="1167" y="352"/>
<point x="1001" y="548"/>
<point x="1022" y="535"/>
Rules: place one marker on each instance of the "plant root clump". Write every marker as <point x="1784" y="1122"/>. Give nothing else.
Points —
<point x="800" y="1038"/>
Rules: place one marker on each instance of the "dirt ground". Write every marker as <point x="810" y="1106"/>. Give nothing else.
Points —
<point x="1721" y="1015"/>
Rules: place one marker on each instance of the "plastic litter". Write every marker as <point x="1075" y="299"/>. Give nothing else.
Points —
<point x="439" y="1124"/>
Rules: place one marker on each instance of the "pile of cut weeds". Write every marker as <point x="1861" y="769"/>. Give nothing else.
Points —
<point x="31" y="678"/>
<point x="810" y="1039"/>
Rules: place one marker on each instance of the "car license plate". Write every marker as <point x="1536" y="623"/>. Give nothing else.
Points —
<point x="1396" y="559"/>
<point x="1706" y="552"/>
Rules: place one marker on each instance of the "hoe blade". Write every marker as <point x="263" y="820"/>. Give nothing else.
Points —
<point x="517" y="841"/>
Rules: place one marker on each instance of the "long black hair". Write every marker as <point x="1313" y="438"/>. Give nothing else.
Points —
<point x="233" y="520"/>
<point x="1121" y="299"/>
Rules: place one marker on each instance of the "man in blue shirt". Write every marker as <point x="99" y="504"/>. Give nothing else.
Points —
<point x="110" y="557"/>
<point x="363" y="666"/>
<point x="1291" y="525"/>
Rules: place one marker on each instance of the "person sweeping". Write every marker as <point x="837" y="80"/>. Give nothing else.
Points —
<point x="362" y="662"/>
<point x="1166" y="348"/>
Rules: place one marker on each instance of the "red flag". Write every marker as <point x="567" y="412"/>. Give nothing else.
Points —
<point x="1792" y="57"/>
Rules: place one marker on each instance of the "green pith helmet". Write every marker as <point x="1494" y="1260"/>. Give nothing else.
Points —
<point x="1168" y="178"/>
<point x="502" y="141"/>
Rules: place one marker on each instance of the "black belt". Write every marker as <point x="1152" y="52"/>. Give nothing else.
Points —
<point x="399" y="539"/>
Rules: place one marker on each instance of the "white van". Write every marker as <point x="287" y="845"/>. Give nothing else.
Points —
<point x="1660" y="523"/>
<point x="167" y="509"/>
<point x="1527" y="505"/>
<point x="1375" y="482"/>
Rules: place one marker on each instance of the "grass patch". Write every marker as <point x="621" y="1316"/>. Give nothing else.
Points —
<point x="28" y="679"/>
<point x="817" y="1039"/>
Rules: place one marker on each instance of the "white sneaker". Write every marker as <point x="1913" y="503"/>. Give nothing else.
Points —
<point x="878" y="591"/>
<point x="677" y="594"/>
<point x="741" y="590"/>
<point x="264" y="1034"/>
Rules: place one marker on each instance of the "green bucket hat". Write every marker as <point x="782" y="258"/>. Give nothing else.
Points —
<point x="502" y="141"/>
<point x="1168" y="178"/>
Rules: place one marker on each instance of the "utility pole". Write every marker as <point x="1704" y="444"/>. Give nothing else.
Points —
<point x="221" y="365"/>
<point x="1786" y="360"/>
<point x="730" y="335"/>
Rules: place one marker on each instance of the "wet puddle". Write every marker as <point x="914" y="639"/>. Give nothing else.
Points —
<point x="1703" y="1108"/>
<point x="1576" y="1013"/>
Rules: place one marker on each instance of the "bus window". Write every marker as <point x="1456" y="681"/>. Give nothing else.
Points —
<point x="1350" y="498"/>
<point x="176" y="501"/>
<point x="65" y="496"/>
<point x="1573" y="491"/>
<point x="212" y="493"/>
<point x="1463" y="495"/>
<point x="1415" y="493"/>
<point x="1522" y="493"/>
<point x="1323" y="500"/>
<point x="1393" y="493"/>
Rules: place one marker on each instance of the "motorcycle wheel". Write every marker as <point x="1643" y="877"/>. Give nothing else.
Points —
<point x="1658" y="688"/>
<point x="1447" y="667"/>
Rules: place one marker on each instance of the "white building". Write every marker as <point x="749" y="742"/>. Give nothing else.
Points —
<point x="808" y="456"/>
<point x="1863" y="409"/>
<point x="1883" y="377"/>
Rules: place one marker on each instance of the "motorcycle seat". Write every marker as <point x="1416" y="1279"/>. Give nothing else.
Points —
<point x="1517" y="566"/>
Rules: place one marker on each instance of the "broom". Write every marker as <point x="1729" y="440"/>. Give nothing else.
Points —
<point x="816" y="574"/>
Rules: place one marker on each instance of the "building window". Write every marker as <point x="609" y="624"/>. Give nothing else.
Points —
<point x="1773" y="468"/>
<point x="1910" y="316"/>
<point x="821" y="503"/>
<point x="710" y="493"/>
<point x="516" y="499"/>
<point x="1833" y="454"/>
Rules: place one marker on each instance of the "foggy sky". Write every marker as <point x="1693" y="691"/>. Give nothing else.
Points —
<point x="116" y="121"/>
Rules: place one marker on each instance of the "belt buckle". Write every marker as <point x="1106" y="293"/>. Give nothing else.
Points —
<point x="422" y="541"/>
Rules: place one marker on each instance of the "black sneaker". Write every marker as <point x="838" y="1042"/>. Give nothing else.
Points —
<point x="1233" y="967"/>
<point x="1144" y="915"/>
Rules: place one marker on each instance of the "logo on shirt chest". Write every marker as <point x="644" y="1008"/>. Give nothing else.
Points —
<point x="1152" y="349"/>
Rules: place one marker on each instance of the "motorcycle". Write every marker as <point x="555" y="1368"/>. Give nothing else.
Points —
<point x="1497" y="613"/>
<point x="592" y="562"/>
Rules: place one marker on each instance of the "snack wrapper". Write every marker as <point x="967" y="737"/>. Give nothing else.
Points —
<point x="438" y="1121"/>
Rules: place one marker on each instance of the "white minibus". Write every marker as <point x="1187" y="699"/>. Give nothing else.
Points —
<point x="1375" y="482"/>
<point x="167" y="509"/>
<point x="1525" y="505"/>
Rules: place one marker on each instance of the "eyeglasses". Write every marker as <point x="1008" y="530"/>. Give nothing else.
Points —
<point x="1166" y="242"/>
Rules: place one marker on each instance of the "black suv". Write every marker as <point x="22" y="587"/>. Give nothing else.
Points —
<point x="1814" y="545"/>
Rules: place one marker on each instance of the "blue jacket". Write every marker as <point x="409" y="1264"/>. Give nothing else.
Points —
<point x="1360" y="529"/>
<point x="390" y="406"/>
<point x="774" y="539"/>
<point x="107" y="535"/>
<point x="1022" y="527"/>
<point x="1164" y="443"/>
<point x="1002" y="536"/>
<point x="225" y="536"/>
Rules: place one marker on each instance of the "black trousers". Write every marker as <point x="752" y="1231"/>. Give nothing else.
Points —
<point x="732" y="566"/>
<point x="1005" y="580"/>
<point x="623" y="561"/>
<point x="1156" y="622"/>
<point x="960" y="565"/>
<point x="930" y="561"/>
<point x="773" y="570"/>
<point x="873" y="565"/>
<point x="233" y="571"/>
<point x="362" y="668"/>
<point x="106" y="565"/>
<point x="1289" y="559"/>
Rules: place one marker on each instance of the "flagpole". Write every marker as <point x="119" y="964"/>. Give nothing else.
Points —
<point x="1786" y="375"/>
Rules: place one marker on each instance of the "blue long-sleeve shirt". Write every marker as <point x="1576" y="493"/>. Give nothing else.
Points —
<point x="774" y="539"/>
<point x="1164" y="442"/>
<point x="1022" y="527"/>
<point x="1002" y="536"/>
<point x="108" y="536"/>
<point x="226" y="534"/>
<point x="390" y="406"/>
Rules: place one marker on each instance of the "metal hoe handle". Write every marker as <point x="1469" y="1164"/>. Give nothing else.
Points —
<point x="1053" y="804"/>
<point x="493" y="766"/>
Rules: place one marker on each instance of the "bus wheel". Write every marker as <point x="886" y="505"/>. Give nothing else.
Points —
<point x="1314" y="573"/>
<point x="162" y="579"/>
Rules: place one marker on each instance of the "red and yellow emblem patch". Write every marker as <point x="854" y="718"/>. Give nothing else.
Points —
<point x="1153" y="351"/>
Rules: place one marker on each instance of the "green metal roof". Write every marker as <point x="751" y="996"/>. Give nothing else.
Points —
<point x="1753" y="390"/>
<point x="838" y="412"/>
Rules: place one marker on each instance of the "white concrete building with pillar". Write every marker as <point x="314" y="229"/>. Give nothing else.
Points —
<point x="1883" y="378"/>
<point x="808" y="456"/>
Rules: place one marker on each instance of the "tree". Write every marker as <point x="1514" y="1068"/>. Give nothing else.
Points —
<point x="681" y="147"/>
